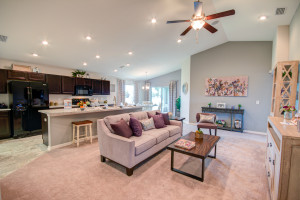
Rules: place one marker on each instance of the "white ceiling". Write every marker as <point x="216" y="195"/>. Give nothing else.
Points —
<point x="117" y="27"/>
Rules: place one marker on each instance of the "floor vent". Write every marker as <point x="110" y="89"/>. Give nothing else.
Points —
<point x="3" y="38"/>
<point x="280" y="11"/>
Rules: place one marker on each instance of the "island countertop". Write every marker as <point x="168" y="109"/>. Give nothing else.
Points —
<point x="77" y="111"/>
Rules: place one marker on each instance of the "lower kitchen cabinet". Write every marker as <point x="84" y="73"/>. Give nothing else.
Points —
<point x="5" y="131"/>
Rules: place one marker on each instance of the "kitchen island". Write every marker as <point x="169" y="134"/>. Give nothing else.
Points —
<point x="57" y="123"/>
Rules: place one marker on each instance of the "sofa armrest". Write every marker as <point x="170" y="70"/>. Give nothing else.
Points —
<point x="177" y="123"/>
<point x="115" y="147"/>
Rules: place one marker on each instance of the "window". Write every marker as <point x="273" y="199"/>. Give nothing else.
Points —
<point x="129" y="94"/>
<point x="160" y="98"/>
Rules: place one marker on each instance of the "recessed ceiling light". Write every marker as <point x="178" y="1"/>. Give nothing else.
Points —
<point x="85" y="64"/>
<point x="45" y="42"/>
<point x="35" y="55"/>
<point x="130" y="53"/>
<point x="179" y="41"/>
<point x="262" y="18"/>
<point x="97" y="56"/>
<point x="115" y="70"/>
<point x="88" y="37"/>
<point x="153" y="21"/>
<point x="127" y="65"/>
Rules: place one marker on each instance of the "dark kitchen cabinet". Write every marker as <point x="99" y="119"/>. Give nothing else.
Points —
<point x="32" y="76"/>
<point x="5" y="124"/>
<point x="83" y="81"/>
<point x="3" y="81"/>
<point x="54" y="83"/>
<point x="105" y="88"/>
<point x="97" y="87"/>
<point x="67" y="85"/>
<point x="17" y="75"/>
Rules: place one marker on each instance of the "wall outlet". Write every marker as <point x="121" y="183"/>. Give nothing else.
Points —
<point x="257" y="101"/>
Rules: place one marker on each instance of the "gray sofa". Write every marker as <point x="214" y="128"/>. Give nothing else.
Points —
<point x="129" y="152"/>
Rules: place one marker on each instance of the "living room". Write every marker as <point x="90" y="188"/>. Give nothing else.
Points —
<point x="189" y="99"/>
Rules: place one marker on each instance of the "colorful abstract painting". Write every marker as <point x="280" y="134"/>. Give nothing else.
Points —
<point x="235" y="86"/>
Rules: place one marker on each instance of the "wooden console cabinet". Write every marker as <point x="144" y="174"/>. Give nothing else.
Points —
<point x="283" y="160"/>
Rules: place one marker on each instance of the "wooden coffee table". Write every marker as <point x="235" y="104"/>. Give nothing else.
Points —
<point x="201" y="150"/>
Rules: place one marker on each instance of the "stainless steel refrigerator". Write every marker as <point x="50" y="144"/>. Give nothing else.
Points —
<point x="26" y="99"/>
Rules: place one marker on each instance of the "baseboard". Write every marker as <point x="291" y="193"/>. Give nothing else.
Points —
<point x="255" y="132"/>
<point x="64" y="144"/>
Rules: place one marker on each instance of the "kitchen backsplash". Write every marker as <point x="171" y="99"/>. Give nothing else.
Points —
<point x="59" y="98"/>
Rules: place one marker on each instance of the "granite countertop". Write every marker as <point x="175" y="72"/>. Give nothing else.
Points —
<point x="5" y="109"/>
<point x="282" y="129"/>
<point x="76" y="111"/>
<point x="61" y="106"/>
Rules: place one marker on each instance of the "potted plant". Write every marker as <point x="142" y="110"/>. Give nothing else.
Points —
<point x="209" y="104"/>
<point x="81" y="104"/>
<point x="78" y="73"/>
<point x="178" y="104"/>
<point x="288" y="111"/>
<point x="239" y="106"/>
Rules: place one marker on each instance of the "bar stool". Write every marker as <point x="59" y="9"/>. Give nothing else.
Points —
<point x="77" y="136"/>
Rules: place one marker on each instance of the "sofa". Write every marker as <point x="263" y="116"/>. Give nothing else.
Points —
<point x="129" y="152"/>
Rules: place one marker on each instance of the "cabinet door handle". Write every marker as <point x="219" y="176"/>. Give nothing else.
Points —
<point x="273" y="162"/>
<point x="268" y="174"/>
<point x="270" y="159"/>
<point x="270" y="144"/>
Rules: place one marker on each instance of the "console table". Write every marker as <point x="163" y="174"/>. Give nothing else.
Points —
<point x="229" y="111"/>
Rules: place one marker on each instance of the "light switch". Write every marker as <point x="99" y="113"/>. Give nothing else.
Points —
<point x="257" y="101"/>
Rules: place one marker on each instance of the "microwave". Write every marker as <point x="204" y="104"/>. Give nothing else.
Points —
<point x="83" y="90"/>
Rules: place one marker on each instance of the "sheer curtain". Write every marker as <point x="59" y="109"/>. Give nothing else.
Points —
<point x="121" y="91"/>
<point x="147" y="93"/>
<point x="172" y="96"/>
<point x="136" y="92"/>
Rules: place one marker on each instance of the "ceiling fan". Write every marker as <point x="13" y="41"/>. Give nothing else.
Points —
<point x="199" y="19"/>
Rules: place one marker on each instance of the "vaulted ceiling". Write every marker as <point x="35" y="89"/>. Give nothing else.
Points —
<point x="117" y="27"/>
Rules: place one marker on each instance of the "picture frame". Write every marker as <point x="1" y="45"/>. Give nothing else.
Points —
<point x="221" y="105"/>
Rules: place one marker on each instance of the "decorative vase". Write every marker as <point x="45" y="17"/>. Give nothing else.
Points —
<point x="288" y="115"/>
<point x="209" y="106"/>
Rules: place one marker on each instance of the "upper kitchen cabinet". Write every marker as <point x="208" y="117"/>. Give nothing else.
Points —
<point x="105" y="88"/>
<point x="54" y="83"/>
<point x="67" y="85"/>
<point x="83" y="81"/>
<point x="16" y="75"/>
<point x="32" y="76"/>
<point x="97" y="87"/>
<point x="3" y="81"/>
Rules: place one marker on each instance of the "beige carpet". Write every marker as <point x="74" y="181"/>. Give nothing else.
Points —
<point x="77" y="173"/>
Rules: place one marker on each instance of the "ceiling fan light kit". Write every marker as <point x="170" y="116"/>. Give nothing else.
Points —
<point x="199" y="19"/>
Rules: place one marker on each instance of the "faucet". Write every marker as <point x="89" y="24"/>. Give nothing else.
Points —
<point x="115" y="101"/>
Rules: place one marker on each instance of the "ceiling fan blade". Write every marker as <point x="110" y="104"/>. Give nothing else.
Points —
<point x="210" y="28"/>
<point x="221" y="14"/>
<point x="198" y="8"/>
<point x="186" y="31"/>
<point x="178" y="21"/>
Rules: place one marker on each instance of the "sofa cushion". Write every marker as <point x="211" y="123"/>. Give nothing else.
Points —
<point x="135" y="126"/>
<point x="165" y="117"/>
<point x="121" y="128"/>
<point x="173" y="130"/>
<point x="143" y="143"/>
<point x="147" y="124"/>
<point x="114" y="119"/>
<point x="152" y="112"/>
<point x="158" y="121"/>
<point x="139" y="115"/>
<point x="159" y="134"/>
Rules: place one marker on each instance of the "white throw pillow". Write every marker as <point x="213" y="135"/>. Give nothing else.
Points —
<point x="207" y="118"/>
<point x="147" y="124"/>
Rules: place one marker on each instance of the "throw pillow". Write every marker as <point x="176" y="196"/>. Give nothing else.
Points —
<point x="135" y="126"/>
<point x="165" y="117"/>
<point x="122" y="128"/>
<point x="159" y="121"/>
<point x="147" y="124"/>
<point x="207" y="118"/>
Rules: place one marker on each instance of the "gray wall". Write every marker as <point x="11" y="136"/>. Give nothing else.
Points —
<point x="294" y="36"/>
<point x="164" y="80"/>
<point x="235" y="59"/>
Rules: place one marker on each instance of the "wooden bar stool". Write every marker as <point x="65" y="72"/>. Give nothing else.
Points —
<point x="77" y="136"/>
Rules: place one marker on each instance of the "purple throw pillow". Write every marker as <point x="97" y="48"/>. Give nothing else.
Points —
<point x="166" y="118"/>
<point x="121" y="128"/>
<point x="159" y="121"/>
<point x="135" y="126"/>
